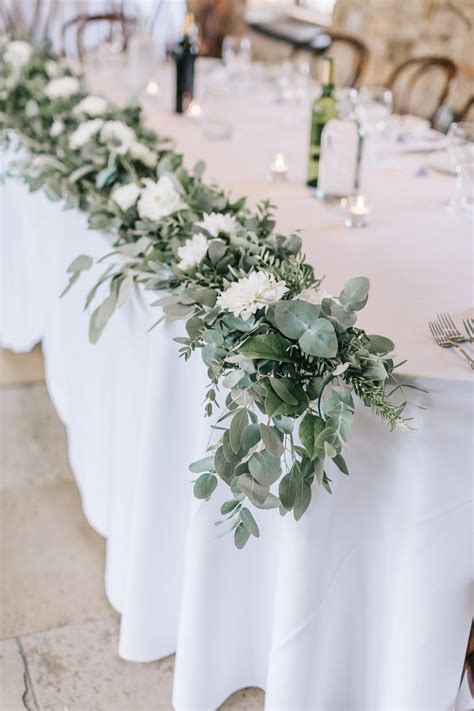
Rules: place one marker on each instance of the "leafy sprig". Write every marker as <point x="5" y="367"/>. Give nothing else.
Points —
<point x="285" y="376"/>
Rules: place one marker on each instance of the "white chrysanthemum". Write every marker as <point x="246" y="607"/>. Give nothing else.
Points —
<point x="62" y="88"/>
<point x="31" y="108"/>
<point x="57" y="128"/>
<point x="216" y="223"/>
<point x="244" y="297"/>
<point x="84" y="133"/>
<point x="118" y="136"/>
<point x="18" y="54"/>
<point x="192" y="251"/>
<point x="52" y="68"/>
<point x="91" y="106"/>
<point x="159" y="199"/>
<point x="144" y="154"/>
<point x="126" y="196"/>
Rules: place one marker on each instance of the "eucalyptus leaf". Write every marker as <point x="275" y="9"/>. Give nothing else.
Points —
<point x="282" y="388"/>
<point x="202" y="465"/>
<point x="271" y="440"/>
<point x="294" y="317"/>
<point x="264" y="468"/>
<point x="310" y="428"/>
<point x="249" y="522"/>
<point x="319" y="339"/>
<point x="355" y="293"/>
<point x="241" y="536"/>
<point x="80" y="264"/>
<point x="253" y="490"/>
<point x="204" y="486"/>
<point x="236" y="431"/>
<point x="270" y="346"/>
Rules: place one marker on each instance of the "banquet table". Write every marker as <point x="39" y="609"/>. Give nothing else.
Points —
<point x="365" y="603"/>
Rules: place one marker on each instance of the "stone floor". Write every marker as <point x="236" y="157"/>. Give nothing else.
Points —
<point x="58" y="634"/>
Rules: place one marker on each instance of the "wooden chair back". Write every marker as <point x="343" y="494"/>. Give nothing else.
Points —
<point x="81" y="23"/>
<point x="413" y="85"/>
<point x="354" y="53"/>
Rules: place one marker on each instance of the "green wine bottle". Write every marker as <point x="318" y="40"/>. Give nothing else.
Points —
<point x="324" y="109"/>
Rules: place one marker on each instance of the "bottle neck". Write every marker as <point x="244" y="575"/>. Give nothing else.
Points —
<point x="327" y="90"/>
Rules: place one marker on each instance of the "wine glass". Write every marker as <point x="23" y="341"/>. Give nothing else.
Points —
<point x="374" y="106"/>
<point x="461" y="153"/>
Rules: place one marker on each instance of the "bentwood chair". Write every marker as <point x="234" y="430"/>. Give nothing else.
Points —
<point x="32" y="19"/>
<point x="349" y="52"/>
<point x="215" y="19"/>
<point x="467" y="114"/>
<point x="420" y="85"/>
<point x="111" y="22"/>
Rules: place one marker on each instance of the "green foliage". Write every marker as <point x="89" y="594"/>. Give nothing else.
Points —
<point x="289" y="368"/>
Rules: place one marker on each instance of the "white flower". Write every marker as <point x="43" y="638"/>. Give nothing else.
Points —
<point x="52" y="68"/>
<point x="18" y="54"/>
<point x="118" y="136"/>
<point x="62" y="88"/>
<point x="192" y="251"/>
<point x="144" y="154"/>
<point x="126" y="195"/>
<point x="159" y="199"/>
<point x="57" y="128"/>
<point x="31" y="108"/>
<point x="84" y="133"/>
<point x="92" y="106"/>
<point x="216" y="223"/>
<point x="244" y="297"/>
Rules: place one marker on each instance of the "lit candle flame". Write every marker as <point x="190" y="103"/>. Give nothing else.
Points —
<point x="279" y="164"/>
<point x="193" y="110"/>
<point x="152" y="88"/>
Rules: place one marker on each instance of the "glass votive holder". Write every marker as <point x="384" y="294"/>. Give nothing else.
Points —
<point x="193" y="110"/>
<point x="217" y="129"/>
<point x="357" y="212"/>
<point x="278" y="169"/>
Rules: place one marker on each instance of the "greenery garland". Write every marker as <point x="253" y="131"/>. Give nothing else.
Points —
<point x="291" y="362"/>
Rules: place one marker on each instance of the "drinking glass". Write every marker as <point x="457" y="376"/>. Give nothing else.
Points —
<point x="373" y="107"/>
<point x="461" y="153"/>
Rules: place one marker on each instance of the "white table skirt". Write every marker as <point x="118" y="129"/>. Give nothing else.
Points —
<point x="364" y="604"/>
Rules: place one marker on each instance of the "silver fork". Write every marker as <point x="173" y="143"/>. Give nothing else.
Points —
<point x="442" y="339"/>
<point x="468" y="324"/>
<point x="450" y="329"/>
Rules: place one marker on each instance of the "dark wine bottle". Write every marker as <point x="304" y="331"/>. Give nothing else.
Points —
<point x="185" y="54"/>
<point x="324" y="109"/>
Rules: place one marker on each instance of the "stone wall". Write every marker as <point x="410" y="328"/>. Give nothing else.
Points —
<point x="394" y="30"/>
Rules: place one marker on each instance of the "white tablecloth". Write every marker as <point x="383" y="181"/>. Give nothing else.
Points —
<point x="364" y="604"/>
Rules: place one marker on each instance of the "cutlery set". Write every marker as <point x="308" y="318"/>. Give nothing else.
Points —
<point x="447" y="335"/>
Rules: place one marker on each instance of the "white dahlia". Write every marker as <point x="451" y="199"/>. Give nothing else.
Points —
<point x="84" y="133"/>
<point x="62" y="88"/>
<point x="255" y="291"/>
<point x="144" y="154"/>
<point x="18" y="54"/>
<point x="159" y="199"/>
<point x="192" y="251"/>
<point x="91" y="106"/>
<point x="118" y="136"/>
<point x="126" y="196"/>
<point x="215" y="223"/>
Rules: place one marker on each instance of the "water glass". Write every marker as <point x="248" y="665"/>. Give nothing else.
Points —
<point x="461" y="153"/>
<point x="373" y="108"/>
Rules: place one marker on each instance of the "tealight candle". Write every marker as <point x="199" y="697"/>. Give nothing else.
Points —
<point x="152" y="88"/>
<point x="358" y="212"/>
<point x="194" y="110"/>
<point x="279" y="168"/>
